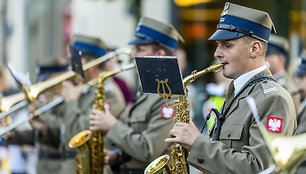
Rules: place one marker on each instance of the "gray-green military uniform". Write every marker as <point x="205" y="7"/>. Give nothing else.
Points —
<point x="54" y="151"/>
<point x="49" y="154"/>
<point x="235" y="144"/>
<point x="241" y="148"/>
<point x="76" y="115"/>
<point x="143" y="139"/>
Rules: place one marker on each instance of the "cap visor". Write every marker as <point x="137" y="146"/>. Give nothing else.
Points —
<point x="221" y="34"/>
<point x="137" y="40"/>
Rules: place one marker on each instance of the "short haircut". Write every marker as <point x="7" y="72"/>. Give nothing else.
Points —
<point x="249" y="39"/>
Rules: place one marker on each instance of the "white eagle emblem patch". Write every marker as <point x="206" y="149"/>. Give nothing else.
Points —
<point x="107" y="105"/>
<point x="167" y="112"/>
<point x="274" y="124"/>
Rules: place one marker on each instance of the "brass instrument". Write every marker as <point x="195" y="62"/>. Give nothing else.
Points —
<point x="90" y="158"/>
<point x="287" y="151"/>
<point x="12" y="103"/>
<point x="7" y="102"/>
<point x="179" y="154"/>
<point x="31" y="92"/>
<point x="40" y="110"/>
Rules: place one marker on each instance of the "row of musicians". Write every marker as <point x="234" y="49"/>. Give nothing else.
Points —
<point x="135" y="134"/>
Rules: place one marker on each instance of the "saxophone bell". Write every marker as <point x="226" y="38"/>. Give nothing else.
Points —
<point x="178" y="152"/>
<point x="159" y="166"/>
<point x="91" y="155"/>
<point x="80" y="141"/>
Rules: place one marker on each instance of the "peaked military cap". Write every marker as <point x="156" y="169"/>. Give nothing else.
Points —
<point x="151" y="31"/>
<point x="89" y="45"/>
<point x="278" y="44"/>
<point x="47" y="67"/>
<point x="237" y="21"/>
<point x="162" y="71"/>
<point x="301" y="70"/>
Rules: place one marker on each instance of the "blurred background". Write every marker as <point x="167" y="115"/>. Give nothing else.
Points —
<point x="35" y="30"/>
<point x="40" y="29"/>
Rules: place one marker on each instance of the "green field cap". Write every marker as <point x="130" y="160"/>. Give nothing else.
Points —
<point x="89" y="45"/>
<point x="237" y="21"/>
<point x="278" y="44"/>
<point x="150" y="31"/>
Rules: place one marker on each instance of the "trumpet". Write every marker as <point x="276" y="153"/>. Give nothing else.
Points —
<point x="31" y="92"/>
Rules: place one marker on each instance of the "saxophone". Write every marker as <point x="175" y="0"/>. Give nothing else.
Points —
<point x="179" y="154"/>
<point x="90" y="157"/>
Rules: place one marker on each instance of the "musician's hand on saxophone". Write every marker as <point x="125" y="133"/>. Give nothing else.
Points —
<point x="100" y="120"/>
<point x="184" y="133"/>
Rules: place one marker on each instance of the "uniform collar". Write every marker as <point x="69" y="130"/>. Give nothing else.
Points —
<point x="241" y="80"/>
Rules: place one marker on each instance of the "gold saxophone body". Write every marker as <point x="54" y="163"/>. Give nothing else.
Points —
<point x="90" y="157"/>
<point x="179" y="154"/>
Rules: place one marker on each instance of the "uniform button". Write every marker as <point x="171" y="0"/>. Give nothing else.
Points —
<point x="229" y="134"/>
<point x="200" y="160"/>
<point x="265" y="82"/>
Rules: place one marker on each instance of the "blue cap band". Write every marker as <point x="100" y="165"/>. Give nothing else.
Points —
<point x="158" y="36"/>
<point x="301" y="70"/>
<point x="89" y="48"/>
<point x="272" y="48"/>
<point x="257" y="29"/>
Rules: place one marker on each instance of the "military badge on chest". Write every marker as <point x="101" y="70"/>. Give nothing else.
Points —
<point x="167" y="112"/>
<point x="274" y="124"/>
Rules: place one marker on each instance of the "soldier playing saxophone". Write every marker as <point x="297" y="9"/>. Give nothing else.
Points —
<point x="141" y="141"/>
<point x="235" y="144"/>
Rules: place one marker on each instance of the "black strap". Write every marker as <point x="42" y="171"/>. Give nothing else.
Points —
<point x="221" y="118"/>
<point x="234" y="28"/>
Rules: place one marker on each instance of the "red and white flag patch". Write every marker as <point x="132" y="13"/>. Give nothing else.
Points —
<point x="167" y="112"/>
<point x="107" y="105"/>
<point x="274" y="124"/>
